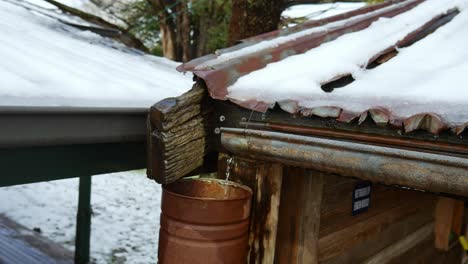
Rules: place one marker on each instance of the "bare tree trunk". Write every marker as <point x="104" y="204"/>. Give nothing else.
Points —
<point x="183" y="33"/>
<point x="175" y="29"/>
<point x="184" y="29"/>
<point x="167" y="27"/>
<point x="251" y="18"/>
<point x="168" y="41"/>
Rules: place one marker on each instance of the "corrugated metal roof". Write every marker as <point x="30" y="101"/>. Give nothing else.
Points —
<point x="223" y="69"/>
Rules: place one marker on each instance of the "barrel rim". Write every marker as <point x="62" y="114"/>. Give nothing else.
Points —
<point x="219" y="181"/>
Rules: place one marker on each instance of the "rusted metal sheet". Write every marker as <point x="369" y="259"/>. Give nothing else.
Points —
<point x="204" y="221"/>
<point x="420" y="170"/>
<point x="218" y="75"/>
<point x="191" y="65"/>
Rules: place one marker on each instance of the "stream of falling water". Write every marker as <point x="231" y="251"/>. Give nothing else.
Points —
<point x="229" y="163"/>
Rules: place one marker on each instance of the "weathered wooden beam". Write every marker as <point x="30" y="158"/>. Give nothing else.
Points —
<point x="265" y="180"/>
<point x="344" y="240"/>
<point x="363" y="241"/>
<point x="400" y="247"/>
<point x="299" y="220"/>
<point x="448" y="218"/>
<point x="177" y="135"/>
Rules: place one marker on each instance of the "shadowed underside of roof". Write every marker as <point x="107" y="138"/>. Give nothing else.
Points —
<point x="245" y="73"/>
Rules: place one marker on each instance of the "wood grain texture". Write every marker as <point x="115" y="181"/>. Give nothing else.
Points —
<point x="400" y="247"/>
<point x="310" y="220"/>
<point x="289" y="227"/>
<point x="383" y="239"/>
<point x="177" y="136"/>
<point x="457" y="221"/>
<point x="393" y="214"/>
<point x="339" y="242"/>
<point x="425" y="253"/>
<point x="299" y="222"/>
<point x="265" y="180"/>
<point x="336" y="206"/>
<point x="444" y="213"/>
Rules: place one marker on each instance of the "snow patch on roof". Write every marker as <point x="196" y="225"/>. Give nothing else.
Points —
<point x="425" y="77"/>
<point x="320" y="11"/>
<point x="47" y="63"/>
<point x="268" y="44"/>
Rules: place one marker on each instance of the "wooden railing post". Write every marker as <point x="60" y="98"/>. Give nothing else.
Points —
<point x="83" y="221"/>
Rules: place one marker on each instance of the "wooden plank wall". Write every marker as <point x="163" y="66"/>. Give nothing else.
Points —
<point x="265" y="180"/>
<point x="312" y="222"/>
<point x="394" y="213"/>
<point x="398" y="221"/>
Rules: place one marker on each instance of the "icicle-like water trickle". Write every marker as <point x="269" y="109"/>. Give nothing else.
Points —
<point x="229" y="163"/>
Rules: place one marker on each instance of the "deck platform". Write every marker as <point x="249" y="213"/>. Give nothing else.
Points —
<point x="21" y="245"/>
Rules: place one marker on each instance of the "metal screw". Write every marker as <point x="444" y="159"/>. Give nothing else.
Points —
<point x="217" y="130"/>
<point x="222" y="118"/>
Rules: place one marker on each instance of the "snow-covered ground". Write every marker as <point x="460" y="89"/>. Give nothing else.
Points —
<point x="48" y="63"/>
<point x="125" y="221"/>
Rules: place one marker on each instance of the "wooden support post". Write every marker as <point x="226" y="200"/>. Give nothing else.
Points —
<point x="299" y="223"/>
<point x="83" y="221"/>
<point x="264" y="217"/>
<point x="448" y="218"/>
<point x="265" y="180"/>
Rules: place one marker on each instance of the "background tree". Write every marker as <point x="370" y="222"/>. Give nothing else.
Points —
<point x="191" y="28"/>
<point x="254" y="17"/>
<point x="185" y="29"/>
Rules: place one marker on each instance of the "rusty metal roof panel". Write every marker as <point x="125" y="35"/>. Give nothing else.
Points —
<point x="219" y="73"/>
<point x="224" y="68"/>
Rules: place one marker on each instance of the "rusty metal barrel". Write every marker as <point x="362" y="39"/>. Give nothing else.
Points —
<point x="204" y="221"/>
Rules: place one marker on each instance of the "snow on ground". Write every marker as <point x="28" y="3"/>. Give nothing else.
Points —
<point x="125" y="221"/>
<point x="47" y="63"/>
<point x="411" y="83"/>
<point x="319" y="11"/>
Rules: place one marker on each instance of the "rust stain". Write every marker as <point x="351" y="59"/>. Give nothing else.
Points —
<point x="220" y="76"/>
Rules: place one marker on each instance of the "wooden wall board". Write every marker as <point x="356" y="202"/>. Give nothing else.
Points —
<point x="336" y="203"/>
<point x="403" y="245"/>
<point x="448" y="219"/>
<point x="381" y="240"/>
<point x="265" y="180"/>
<point x="299" y="221"/>
<point x="425" y="253"/>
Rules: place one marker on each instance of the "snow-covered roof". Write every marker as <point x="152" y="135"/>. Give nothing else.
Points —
<point x="319" y="11"/>
<point x="46" y="62"/>
<point x="420" y="87"/>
